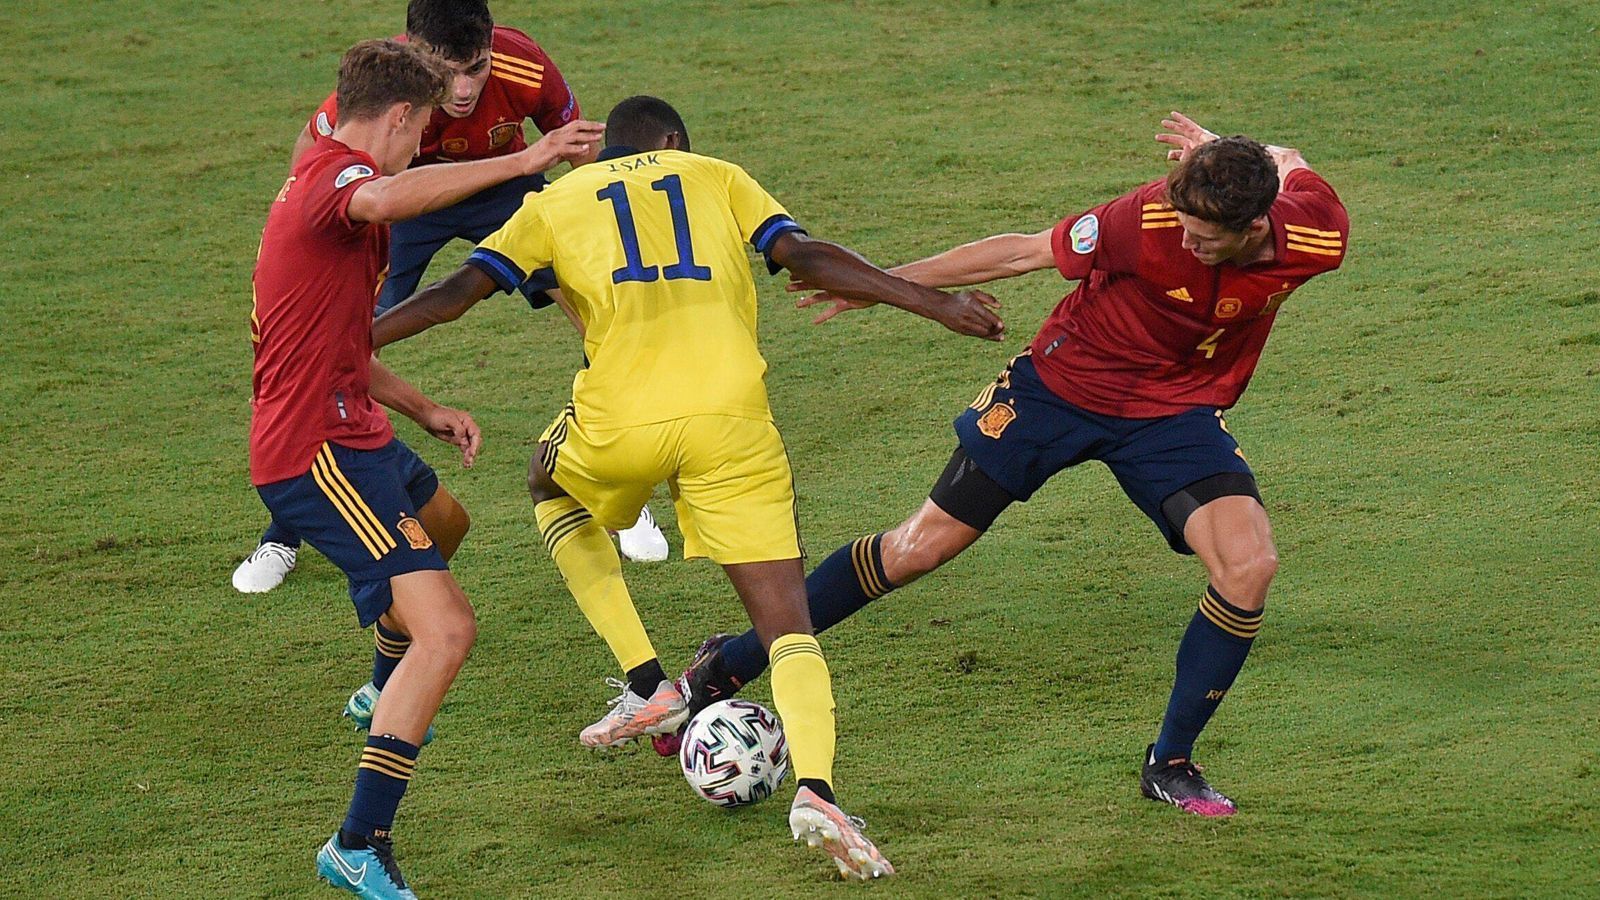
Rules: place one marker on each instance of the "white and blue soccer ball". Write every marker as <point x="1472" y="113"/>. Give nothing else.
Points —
<point x="733" y="753"/>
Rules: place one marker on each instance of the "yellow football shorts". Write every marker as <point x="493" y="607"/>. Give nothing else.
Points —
<point x="729" y="477"/>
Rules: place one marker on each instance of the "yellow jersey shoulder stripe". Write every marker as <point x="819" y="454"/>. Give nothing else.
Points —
<point x="1171" y="224"/>
<point x="1148" y="206"/>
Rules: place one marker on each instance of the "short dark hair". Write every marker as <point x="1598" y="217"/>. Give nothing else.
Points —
<point x="643" y="122"/>
<point x="375" y="75"/>
<point x="1231" y="181"/>
<point x="458" y="30"/>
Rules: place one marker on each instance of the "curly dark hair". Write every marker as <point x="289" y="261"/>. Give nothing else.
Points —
<point x="642" y="121"/>
<point x="375" y="75"/>
<point x="458" y="30"/>
<point x="1231" y="181"/>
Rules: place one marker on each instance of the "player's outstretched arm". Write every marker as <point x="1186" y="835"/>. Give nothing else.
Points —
<point x="1000" y="256"/>
<point x="845" y="274"/>
<point x="449" y="425"/>
<point x="442" y="301"/>
<point x="427" y="188"/>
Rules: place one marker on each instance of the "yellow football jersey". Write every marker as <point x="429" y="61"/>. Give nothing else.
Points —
<point x="649" y="249"/>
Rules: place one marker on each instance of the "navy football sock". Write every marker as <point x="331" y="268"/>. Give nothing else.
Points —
<point x="381" y="778"/>
<point x="278" y="534"/>
<point x="392" y="646"/>
<point x="1209" y="658"/>
<point x="846" y="581"/>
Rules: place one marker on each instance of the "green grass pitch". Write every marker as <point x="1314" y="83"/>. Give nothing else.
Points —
<point x="1418" y="718"/>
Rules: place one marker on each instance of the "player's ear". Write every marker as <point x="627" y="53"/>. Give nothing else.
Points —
<point x="400" y="114"/>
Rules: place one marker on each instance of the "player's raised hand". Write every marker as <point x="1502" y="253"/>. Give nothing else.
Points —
<point x="1184" y="134"/>
<point x="454" y="427"/>
<point x="973" y="313"/>
<point x="576" y="142"/>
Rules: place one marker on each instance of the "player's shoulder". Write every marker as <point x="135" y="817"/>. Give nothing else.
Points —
<point x="329" y="165"/>
<point x="510" y="44"/>
<point x="1312" y="221"/>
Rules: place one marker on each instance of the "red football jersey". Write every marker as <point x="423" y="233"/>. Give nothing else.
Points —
<point x="316" y="277"/>
<point x="523" y="84"/>
<point x="1152" y="331"/>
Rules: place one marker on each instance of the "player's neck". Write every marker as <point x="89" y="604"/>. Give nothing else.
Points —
<point x="1262" y="249"/>
<point x="370" y="137"/>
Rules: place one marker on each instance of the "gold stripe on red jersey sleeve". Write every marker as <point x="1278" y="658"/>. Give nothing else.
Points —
<point x="1319" y="251"/>
<point x="1316" y="241"/>
<point x="1158" y="215"/>
<point x="531" y="69"/>
<point x="513" y="77"/>
<point x="1310" y="232"/>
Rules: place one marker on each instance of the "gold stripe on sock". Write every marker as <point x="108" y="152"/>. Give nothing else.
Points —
<point x="866" y="572"/>
<point x="1227" y="621"/>
<point x="388" y="756"/>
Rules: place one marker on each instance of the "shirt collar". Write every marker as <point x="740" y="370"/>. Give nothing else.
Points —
<point x="617" y="150"/>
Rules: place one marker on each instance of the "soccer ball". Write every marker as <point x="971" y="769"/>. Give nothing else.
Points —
<point x="734" y="754"/>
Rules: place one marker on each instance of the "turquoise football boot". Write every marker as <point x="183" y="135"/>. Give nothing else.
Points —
<point x="359" y="707"/>
<point x="368" y="872"/>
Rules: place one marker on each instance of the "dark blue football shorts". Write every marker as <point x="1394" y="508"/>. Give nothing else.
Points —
<point x="1020" y="434"/>
<point x="359" y="509"/>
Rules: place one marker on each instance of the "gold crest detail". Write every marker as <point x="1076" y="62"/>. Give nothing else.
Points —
<point x="1228" y="307"/>
<point x="414" y="533"/>
<point x="501" y="135"/>
<point x="454" y="145"/>
<point x="993" y="423"/>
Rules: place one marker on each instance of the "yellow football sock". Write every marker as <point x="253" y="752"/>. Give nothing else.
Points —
<point x="804" y="696"/>
<point x="583" y="552"/>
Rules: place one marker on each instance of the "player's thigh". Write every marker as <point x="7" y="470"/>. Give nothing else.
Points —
<point x="430" y="606"/>
<point x="611" y="472"/>
<point x="734" y="491"/>
<point x="1019" y="435"/>
<point x="442" y="515"/>
<point x="353" y="508"/>
<point x="1172" y="466"/>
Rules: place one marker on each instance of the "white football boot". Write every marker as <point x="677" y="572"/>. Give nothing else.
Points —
<point x="643" y="542"/>
<point x="264" y="569"/>
<point x="823" y="825"/>
<point x="633" y="716"/>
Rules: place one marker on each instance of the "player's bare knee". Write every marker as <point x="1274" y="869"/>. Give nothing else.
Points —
<point x="1244" y="578"/>
<point x="450" y="636"/>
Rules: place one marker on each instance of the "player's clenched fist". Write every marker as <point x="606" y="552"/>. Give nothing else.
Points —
<point x="973" y="313"/>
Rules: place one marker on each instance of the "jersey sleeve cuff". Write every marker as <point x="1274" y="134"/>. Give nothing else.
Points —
<point x="506" y="274"/>
<point x="534" y="287"/>
<point x="768" y="232"/>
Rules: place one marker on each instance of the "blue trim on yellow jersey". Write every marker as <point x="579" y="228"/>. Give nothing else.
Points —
<point x="767" y="233"/>
<point x="501" y="270"/>
<point x="537" y="283"/>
